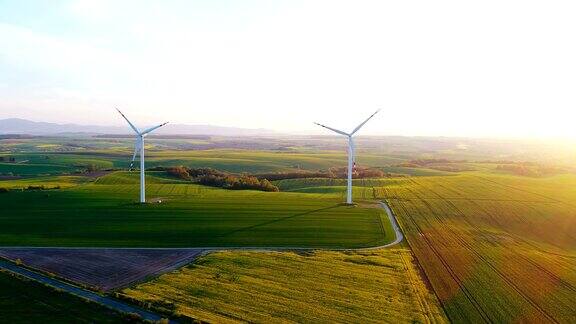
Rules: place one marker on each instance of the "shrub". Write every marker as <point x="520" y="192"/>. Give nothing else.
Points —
<point x="133" y="318"/>
<point x="216" y="178"/>
<point x="35" y="187"/>
<point x="198" y="172"/>
<point x="92" y="168"/>
<point x="179" y="172"/>
<point x="359" y="173"/>
<point x="294" y="175"/>
<point x="233" y="182"/>
<point x="529" y="169"/>
<point x="3" y="190"/>
<point x="157" y="168"/>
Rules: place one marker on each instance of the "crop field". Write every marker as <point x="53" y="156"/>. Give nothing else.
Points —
<point x="231" y="160"/>
<point x="365" y="189"/>
<point x="22" y="300"/>
<point x="101" y="269"/>
<point x="495" y="248"/>
<point x="103" y="214"/>
<point x="258" y="161"/>
<point x="295" y="185"/>
<point x="49" y="182"/>
<point x="317" y="287"/>
<point x="27" y="169"/>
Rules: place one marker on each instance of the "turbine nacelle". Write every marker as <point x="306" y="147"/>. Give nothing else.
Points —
<point x="351" y="152"/>
<point x="355" y="129"/>
<point x="139" y="147"/>
<point x="146" y="131"/>
<point x="149" y="130"/>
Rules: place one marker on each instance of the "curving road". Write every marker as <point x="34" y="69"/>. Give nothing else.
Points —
<point x="146" y="315"/>
<point x="395" y="227"/>
<point x="389" y="213"/>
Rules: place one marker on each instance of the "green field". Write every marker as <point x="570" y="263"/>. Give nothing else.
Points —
<point x="24" y="301"/>
<point x="27" y="169"/>
<point x="495" y="248"/>
<point x="49" y="182"/>
<point x="103" y="213"/>
<point x="281" y="287"/>
<point x="231" y="160"/>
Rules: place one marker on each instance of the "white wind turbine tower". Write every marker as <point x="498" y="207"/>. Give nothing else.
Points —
<point x="350" y="153"/>
<point x="140" y="144"/>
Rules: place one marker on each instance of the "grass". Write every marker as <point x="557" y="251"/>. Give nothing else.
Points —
<point x="27" y="169"/>
<point x="104" y="214"/>
<point x="319" y="287"/>
<point x="49" y="182"/>
<point x="24" y="301"/>
<point x="495" y="248"/>
<point x="298" y="184"/>
<point x="259" y="161"/>
<point x="231" y="160"/>
<point x="415" y="171"/>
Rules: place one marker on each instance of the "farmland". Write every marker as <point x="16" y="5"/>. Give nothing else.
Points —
<point x="286" y="162"/>
<point x="102" y="214"/>
<point x="163" y="154"/>
<point x="368" y="287"/>
<point x="23" y="299"/>
<point x="269" y="154"/>
<point x="495" y="248"/>
<point x="101" y="269"/>
<point x="48" y="182"/>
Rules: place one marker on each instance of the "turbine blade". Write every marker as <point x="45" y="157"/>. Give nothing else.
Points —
<point x="153" y="128"/>
<point x="367" y="119"/>
<point x="136" y="149"/>
<point x="129" y="123"/>
<point x="333" y="129"/>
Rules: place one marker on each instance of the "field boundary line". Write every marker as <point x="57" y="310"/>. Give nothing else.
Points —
<point x="105" y="301"/>
<point x="453" y="275"/>
<point x="394" y="223"/>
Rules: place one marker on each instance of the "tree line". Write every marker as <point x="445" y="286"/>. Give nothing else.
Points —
<point x="331" y="173"/>
<point x="216" y="178"/>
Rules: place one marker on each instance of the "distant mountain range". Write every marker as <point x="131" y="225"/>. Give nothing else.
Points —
<point x="23" y="126"/>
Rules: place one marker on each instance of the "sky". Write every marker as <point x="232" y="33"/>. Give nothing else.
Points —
<point x="434" y="68"/>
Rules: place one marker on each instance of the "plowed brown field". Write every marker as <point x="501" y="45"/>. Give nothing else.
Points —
<point x="104" y="269"/>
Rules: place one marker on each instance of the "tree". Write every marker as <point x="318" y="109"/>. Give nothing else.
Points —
<point x="179" y="172"/>
<point x="92" y="168"/>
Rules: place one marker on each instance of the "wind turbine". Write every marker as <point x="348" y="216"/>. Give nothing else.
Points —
<point x="350" y="153"/>
<point x="140" y="145"/>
